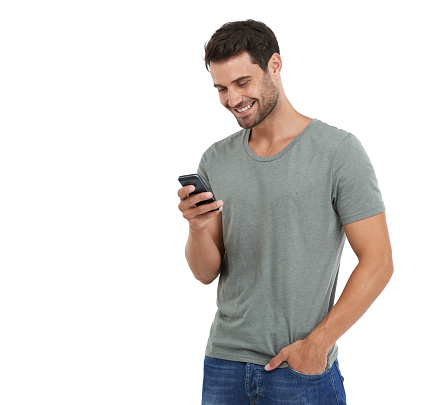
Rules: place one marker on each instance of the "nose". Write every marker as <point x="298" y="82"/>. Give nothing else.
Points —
<point x="234" y="99"/>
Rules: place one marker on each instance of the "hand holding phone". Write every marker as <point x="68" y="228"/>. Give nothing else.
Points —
<point x="196" y="204"/>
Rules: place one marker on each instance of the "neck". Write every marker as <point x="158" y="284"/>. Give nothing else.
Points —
<point x="282" y="124"/>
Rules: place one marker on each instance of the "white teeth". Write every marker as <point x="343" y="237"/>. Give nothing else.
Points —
<point x="245" y="108"/>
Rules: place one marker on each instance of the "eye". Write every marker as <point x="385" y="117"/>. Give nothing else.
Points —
<point x="244" y="83"/>
<point x="221" y="89"/>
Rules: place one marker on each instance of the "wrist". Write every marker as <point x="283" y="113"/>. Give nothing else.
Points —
<point x="198" y="229"/>
<point x="321" y="338"/>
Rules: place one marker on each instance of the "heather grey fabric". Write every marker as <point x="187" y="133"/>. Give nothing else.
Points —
<point x="283" y="220"/>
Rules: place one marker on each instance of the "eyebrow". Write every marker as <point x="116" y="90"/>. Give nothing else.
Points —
<point x="240" y="78"/>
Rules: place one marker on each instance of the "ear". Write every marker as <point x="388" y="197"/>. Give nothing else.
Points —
<point x="275" y="64"/>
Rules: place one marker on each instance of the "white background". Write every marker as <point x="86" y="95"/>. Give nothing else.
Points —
<point x="103" y="105"/>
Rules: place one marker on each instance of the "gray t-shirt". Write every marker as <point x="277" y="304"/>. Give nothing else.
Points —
<point x="283" y="232"/>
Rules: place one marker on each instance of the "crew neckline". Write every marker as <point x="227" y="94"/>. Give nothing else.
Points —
<point x="254" y="156"/>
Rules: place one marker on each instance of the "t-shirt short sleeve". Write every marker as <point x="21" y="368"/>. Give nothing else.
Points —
<point x="202" y="172"/>
<point x="355" y="191"/>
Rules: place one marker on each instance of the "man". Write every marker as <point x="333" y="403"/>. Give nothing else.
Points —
<point x="289" y="190"/>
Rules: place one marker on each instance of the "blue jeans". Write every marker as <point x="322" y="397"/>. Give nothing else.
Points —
<point x="234" y="383"/>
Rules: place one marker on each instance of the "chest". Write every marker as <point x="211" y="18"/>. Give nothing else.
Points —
<point x="272" y="186"/>
<point x="273" y="150"/>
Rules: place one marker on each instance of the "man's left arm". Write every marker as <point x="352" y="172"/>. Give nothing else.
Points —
<point x="369" y="239"/>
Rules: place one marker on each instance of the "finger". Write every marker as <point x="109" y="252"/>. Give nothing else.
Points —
<point x="198" y="219"/>
<point x="209" y="206"/>
<point x="191" y="202"/>
<point x="201" y="197"/>
<point x="276" y="361"/>
<point x="200" y="210"/>
<point x="183" y="192"/>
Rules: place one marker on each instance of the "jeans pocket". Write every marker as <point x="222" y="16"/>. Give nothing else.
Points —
<point x="338" y="370"/>
<point x="308" y="375"/>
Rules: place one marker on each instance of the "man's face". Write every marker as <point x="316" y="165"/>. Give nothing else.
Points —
<point x="244" y="89"/>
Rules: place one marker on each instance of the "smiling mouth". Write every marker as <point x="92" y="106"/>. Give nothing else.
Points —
<point x="240" y="110"/>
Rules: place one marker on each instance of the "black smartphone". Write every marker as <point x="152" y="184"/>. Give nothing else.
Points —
<point x="196" y="181"/>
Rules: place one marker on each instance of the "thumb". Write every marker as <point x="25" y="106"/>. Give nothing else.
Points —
<point x="277" y="360"/>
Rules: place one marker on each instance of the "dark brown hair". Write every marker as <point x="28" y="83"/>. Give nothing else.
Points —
<point x="236" y="37"/>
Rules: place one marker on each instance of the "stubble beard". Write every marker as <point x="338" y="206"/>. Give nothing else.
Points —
<point x="269" y="99"/>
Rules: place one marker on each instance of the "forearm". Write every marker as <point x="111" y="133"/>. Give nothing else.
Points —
<point x="365" y="284"/>
<point x="202" y="255"/>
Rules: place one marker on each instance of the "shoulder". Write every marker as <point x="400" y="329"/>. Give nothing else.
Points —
<point x="329" y="135"/>
<point x="332" y="142"/>
<point x="225" y="146"/>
